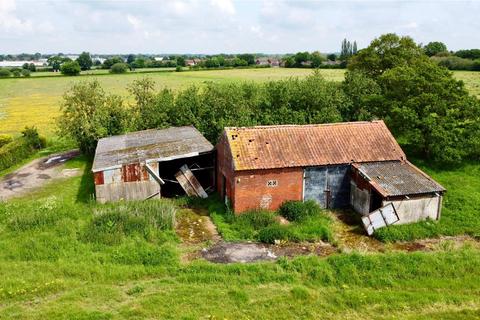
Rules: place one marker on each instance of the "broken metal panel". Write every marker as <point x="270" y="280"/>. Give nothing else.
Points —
<point x="380" y="218"/>
<point x="189" y="183"/>
<point x="329" y="186"/>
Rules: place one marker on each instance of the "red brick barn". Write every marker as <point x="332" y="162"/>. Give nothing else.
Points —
<point x="264" y="166"/>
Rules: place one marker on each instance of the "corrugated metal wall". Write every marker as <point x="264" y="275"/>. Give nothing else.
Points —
<point x="329" y="186"/>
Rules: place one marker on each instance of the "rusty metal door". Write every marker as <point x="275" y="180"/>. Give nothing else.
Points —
<point x="329" y="186"/>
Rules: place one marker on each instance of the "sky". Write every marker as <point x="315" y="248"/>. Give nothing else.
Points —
<point x="228" y="26"/>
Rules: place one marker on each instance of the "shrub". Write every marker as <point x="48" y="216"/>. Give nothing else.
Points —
<point x="298" y="210"/>
<point x="4" y="139"/>
<point x="20" y="148"/>
<point x="276" y="232"/>
<point x="5" y="73"/>
<point x="25" y="72"/>
<point x="70" y="68"/>
<point x="16" y="72"/>
<point x="119" y="68"/>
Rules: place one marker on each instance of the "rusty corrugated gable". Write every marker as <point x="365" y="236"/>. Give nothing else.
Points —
<point x="268" y="147"/>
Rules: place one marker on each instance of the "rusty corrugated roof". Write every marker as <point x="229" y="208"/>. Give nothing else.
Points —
<point x="398" y="178"/>
<point x="280" y="146"/>
<point x="138" y="147"/>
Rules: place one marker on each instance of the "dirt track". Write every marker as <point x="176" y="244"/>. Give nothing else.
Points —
<point x="35" y="174"/>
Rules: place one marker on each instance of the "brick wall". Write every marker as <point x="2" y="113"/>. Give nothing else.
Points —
<point x="267" y="189"/>
<point x="256" y="188"/>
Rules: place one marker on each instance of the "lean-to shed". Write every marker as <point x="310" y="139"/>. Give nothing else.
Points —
<point x="264" y="166"/>
<point x="143" y="164"/>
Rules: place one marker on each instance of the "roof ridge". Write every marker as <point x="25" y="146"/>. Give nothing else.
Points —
<point x="304" y="125"/>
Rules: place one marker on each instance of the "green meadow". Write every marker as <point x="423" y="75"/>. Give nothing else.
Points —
<point x="55" y="263"/>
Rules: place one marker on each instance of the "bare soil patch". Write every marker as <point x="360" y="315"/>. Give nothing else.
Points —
<point x="35" y="174"/>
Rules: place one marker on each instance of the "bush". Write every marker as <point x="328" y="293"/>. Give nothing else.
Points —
<point x="5" y="73"/>
<point x="20" y="148"/>
<point x="70" y="68"/>
<point x="25" y="72"/>
<point x="4" y="139"/>
<point x="276" y="232"/>
<point x="118" y="68"/>
<point x="16" y="72"/>
<point x="298" y="210"/>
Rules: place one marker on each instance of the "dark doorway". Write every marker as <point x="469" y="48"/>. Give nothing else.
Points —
<point x="202" y="167"/>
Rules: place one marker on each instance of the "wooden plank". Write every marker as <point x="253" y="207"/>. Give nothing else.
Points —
<point x="189" y="183"/>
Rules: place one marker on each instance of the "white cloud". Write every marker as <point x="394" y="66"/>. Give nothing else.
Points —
<point x="136" y="23"/>
<point x="9" y="21"/>
<point x="225" y="6"/>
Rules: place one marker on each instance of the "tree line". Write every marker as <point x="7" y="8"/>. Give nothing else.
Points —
<point x="467" y="59"/>
<point x="430" y="113"/>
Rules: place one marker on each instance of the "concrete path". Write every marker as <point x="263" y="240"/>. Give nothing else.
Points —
<point x="35" y="174"/>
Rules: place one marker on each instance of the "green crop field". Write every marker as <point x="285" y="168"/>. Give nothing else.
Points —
<point x="35" y="101"/>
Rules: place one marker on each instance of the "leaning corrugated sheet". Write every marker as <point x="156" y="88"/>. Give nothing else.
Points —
<point x="395" y="178"/>
<point x="137" y="147"/>
<point x="268" y="147"/>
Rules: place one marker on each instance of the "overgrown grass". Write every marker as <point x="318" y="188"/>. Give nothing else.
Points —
<point x="112" y="223"/>
<point x="461" y="206"/>
<point x="311" y="224"/>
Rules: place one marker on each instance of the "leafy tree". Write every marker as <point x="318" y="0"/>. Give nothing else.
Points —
<point x="130" y="58"/>
<point x="300" y="58"/>
<point x="119" y="68"/>
<point x="180" y="61"/>
<point x="152" y="110"/>
<point x="108" y="63"/>
<point x="250" y="58"/>
<point x="384" y="53"/>
<point x="468" y="54"/>
<point x="56" y="62"/>
<point x="212" y="63"/>
<point x="88" y="114"/>
<point x="16" y="72"/>
<point x="421" y="102"/>
<point x="332" y="57"/>
<point x="85" y="61"/>
<point x="434" y="48"/>
<point x="70" y="68"/>
<point x="237" y="62"/>
<point x="139" y="63"/>
<point x="346" y="51"/>
<point x="317" y="58"/>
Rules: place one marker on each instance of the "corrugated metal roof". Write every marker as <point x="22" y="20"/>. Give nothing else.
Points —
<point x="267" y="147"/>
<point x="175" y="142"/>
<point x="396" y="178"/>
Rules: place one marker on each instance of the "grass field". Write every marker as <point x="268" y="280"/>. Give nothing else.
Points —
<point x="49" y="269"/>
<point x="35" y="101"/>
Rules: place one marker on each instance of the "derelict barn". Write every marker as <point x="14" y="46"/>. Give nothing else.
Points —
<point x="153" y="163"/>
<point x="334" y="164"/>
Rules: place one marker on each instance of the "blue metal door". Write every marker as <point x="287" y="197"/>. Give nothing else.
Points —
<point x="329" y="186"/>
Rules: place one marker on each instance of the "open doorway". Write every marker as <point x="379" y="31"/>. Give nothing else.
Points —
<point x="202" y="167"/>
